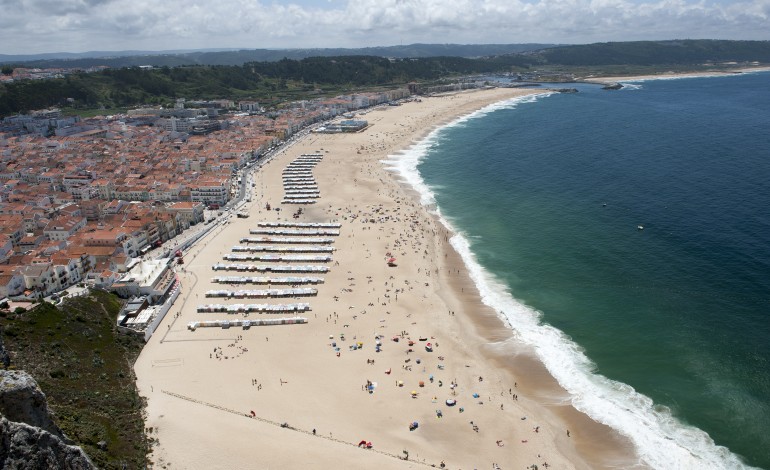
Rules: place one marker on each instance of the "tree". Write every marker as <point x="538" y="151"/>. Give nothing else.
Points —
<point x="7" y="70"/>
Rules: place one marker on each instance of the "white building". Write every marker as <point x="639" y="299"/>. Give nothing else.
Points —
<point x="152" y="279"/>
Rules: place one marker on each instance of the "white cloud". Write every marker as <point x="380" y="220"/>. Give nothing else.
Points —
<point x="29" y="26"/>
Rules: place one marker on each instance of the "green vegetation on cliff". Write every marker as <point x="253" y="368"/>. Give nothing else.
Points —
<point x="85" y="368"/>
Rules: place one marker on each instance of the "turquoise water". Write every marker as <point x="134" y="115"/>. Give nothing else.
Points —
<point x="661" y="332"/>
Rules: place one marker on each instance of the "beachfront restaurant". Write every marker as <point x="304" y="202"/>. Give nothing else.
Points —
<point x="152" y="279"/>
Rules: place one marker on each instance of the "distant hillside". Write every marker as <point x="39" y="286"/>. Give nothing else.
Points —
<point x="684" y="52"/>
<point x="274" y="81"/>
<point x="268" y="82"/>
<point x="644" y="53"/>
<point x="6" y="58"/>
<point x="239" y="57"/>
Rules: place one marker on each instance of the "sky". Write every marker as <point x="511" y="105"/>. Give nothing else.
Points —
<point x="43" y="26"/>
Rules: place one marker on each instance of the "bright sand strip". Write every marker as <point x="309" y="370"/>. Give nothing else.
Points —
<point x="292" y="374"/>
<point x="673" y="75"/>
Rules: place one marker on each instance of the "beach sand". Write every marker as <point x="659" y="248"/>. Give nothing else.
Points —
<point x="202" y="386"/>
<point x="672" y="75"/>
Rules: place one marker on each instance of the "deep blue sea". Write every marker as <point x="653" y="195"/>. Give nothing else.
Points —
<point x="626" y="235"/>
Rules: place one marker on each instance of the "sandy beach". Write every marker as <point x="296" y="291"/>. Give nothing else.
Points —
<point x="671" y="76"/>
<point x="306" y="395"/>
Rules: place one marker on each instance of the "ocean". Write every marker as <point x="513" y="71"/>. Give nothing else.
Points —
<point x="626" y="236"/>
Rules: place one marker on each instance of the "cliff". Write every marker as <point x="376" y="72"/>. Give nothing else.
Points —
<point x="29" y="439"/>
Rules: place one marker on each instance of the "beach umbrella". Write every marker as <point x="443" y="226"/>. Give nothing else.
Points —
<point x="451" y="402"/>
<point x="414" y="394"/>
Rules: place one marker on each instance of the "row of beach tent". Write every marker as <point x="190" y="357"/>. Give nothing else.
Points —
<point x="303" y="163"/>
<point x="299" y="180"/>
<point x="246" y="323"/>
<point x="278" y="258"/>
<point x="312" y="244"/>
<point x="302" y="191"/>
<point x="249" y="308"/>
<point x="262" y="293"/>
<point x="301" y="167"/>
<point x="288" y="240"/>
<point x="300" y="224"/>
<point x="283" y="249"/>
<point x="289" y="179"/>
<point x="283" y="268"/>
<point x="298" y="201"/>
<point x="267" y="280"/>
<point x="295" y="232"/>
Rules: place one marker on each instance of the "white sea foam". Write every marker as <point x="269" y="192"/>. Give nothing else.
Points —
<point x="661" y="440"/>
